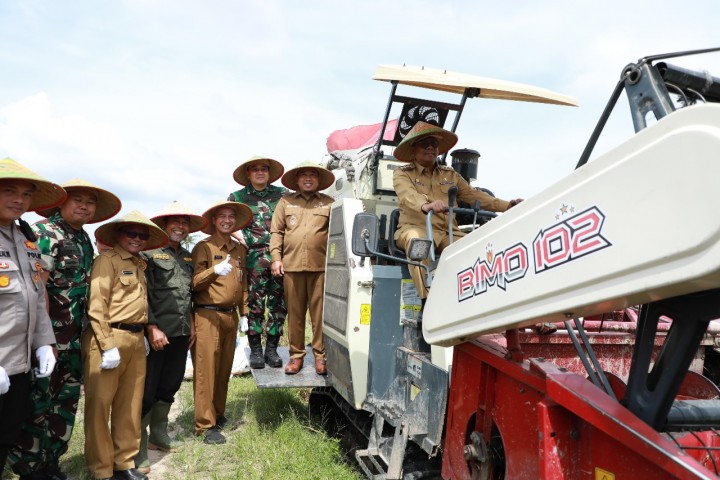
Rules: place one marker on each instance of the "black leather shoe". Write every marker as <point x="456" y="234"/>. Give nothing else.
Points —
<point x="214" y="437"/>
<point x="131" y="474"/>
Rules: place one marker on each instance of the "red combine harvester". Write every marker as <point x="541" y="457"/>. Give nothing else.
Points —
<point x="465" y="389"/>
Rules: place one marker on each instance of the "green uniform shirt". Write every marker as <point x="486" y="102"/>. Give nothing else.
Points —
<point x="169" y="282"/>
<point x="262" y="203"/>
<point x="68" y="255"/>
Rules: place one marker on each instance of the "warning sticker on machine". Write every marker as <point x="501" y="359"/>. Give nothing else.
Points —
<point x="410" y="304"/>
<point x="414" y="366"/>
<point x="365" y="314"/>
<point x="601" y="474"/>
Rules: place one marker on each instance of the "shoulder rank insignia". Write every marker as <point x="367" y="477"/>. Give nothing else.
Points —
<point x="30" y="245"/>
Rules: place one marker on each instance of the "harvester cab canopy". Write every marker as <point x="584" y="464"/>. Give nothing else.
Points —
<point x="436" y="112"/>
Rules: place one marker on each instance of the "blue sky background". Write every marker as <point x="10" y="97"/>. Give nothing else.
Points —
<point x="159" y="100"/>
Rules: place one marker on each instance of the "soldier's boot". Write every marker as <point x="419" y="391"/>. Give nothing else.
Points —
<point x="142" y="463"/>
<point x="271" y="356"/>
<point x="159" y="438"/>
<point x="256" y="352"/>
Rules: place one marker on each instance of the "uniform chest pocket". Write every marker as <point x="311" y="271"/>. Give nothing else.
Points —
<point x="128" y="280"/>
<point x="321" y="217"/>
<point x="445" y="186"/>
<point x="10" y="279"/>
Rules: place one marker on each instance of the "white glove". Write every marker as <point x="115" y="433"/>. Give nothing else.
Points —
<point x="243" y="324"/>
<point x="224" y="267"/>
<point x="147" y="347"/>
<point x="110" y="358"/>
<point x="46" y="360"/>
<point x="4" y="381"/>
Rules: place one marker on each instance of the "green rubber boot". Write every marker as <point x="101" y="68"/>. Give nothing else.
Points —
<point x="159" y="438"/>
<point x="141" y="459"/>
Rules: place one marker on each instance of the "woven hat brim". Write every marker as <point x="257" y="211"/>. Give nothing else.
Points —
<point x="197" y="222"/>
<point x="108" y="204"/>
<point x="446" y="140"/>
<point x="243" y="216"/>
<point x="107" y="233"/>
<point x="46" y="195"/>
<point x="325" y="177"/>
<point x="241" y="176"/>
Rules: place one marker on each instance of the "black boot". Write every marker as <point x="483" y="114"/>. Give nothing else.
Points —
<point x="271" y="356"/>
<point x="256" y="352"/>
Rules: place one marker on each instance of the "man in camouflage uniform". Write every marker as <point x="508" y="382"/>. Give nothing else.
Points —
<point x="67" y="251"/>
<point x="264" y="290"/>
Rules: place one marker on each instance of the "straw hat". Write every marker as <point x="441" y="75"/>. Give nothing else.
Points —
<point x="241" y="172"/>
<point x="47" y="194"/>
<point x="325" y="176"/>
<point x="177" y="209"/>
<point x="243" y="215"/>
<point x="108" y="205"/>
<point x="420" y="130"/>
<point x="107" y="233"/>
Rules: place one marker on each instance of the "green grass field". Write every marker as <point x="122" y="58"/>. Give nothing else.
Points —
<point x="269" y="433"/>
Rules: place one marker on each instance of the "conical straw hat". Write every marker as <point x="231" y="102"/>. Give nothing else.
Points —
<point x="325" y="176"/>
<point x="243" y="215"/>
<point x="47" y="194"/>
<point x="107" y="233"/>
<point x="108" y="204"/>
<point x="177" y="209"/>
<point x="242" y="177"/>
<point x="446" y="140"/>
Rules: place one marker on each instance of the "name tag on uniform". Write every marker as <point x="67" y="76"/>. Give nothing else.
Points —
<point x="127" y="272"/>
<point x="218" y="257"/>
<point x="447" y="183"/>
<point x="4" y="253"/>
<point x="161" y="256"/>
<point x="419" y="183"/>
<point x="187" y="259"/>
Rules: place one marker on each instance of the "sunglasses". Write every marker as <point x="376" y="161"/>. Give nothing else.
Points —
<point x="427" y="142"/>
<point x="133" y="235"/>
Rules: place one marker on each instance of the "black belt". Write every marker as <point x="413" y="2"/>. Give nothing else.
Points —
<point x="129" y="328"/>
<point x="217" y="309"/>
<point x="257" y="247"/>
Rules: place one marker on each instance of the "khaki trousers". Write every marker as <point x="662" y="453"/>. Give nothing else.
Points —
<point x="113" y="395"/>
<point x="441" y="240"/>
<point x="212" y="353"/>
<point x="303" y="292"/>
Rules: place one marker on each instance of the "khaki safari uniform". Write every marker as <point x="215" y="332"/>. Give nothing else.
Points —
<point x="216" y="300"/>
<point x="299" y="235"/>
<point x="415" y="186"/>
<point x="117" y="312"/>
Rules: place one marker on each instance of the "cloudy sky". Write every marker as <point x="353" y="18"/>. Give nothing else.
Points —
<point x="159" y="100"/>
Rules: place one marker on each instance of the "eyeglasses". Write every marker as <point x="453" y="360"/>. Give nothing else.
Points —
<point x="140" y="235"/>
<point x="427" y="142"/>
